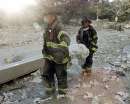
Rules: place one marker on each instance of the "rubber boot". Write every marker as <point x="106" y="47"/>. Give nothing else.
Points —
<point x="87" y="71"/>
<point x="49" y="93"/>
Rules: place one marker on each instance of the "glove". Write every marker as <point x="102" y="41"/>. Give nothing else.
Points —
<point x="44" y="50"/>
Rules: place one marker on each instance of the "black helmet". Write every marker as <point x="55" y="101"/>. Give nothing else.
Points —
<point x="86" y="19"/>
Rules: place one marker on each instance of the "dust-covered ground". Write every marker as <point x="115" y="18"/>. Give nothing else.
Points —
<point x="94" y="90"/>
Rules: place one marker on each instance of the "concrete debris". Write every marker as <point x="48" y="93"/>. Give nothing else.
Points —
<point x="90" y="90"/>
<point x="113" y="77"/>
<point x="95" y="100"/>
<point x="107" y="87"/>
<point x="37" y="101"/>
<point x="121" y="73"/>
<point x="119" y="99"/>
<point x="13" y="86"/>
<point x="78" y="85"/>
<point x="89" y="95"/>
<point x="37" y="80"/>
<point x="123" y="95"/>
<point x="105" y="80"/>
<point x="2" y="99"/>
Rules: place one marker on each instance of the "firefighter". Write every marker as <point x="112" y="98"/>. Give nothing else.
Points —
<point x="56" y="55"/>
<point x="87" y="35"/>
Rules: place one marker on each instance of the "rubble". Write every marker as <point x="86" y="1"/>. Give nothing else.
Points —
<point x="95" y="100"/>
<point x="2" y="99"/>
<point x="103" y="87"/>
<point x="120" y="73"/>
<point x="88" y="95"/>
<point x="93" y="89"/>
<point x="123" y="95"/>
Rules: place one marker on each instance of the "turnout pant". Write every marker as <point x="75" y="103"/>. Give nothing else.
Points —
<point x="89" y="61"/>
<point x="51" y="69"/>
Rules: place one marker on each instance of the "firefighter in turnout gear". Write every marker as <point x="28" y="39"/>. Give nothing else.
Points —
<point x="56" y="55"/>
<point x="87" y="35"/>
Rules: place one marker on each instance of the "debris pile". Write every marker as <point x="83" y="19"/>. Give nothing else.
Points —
<point x="102" y="87"/>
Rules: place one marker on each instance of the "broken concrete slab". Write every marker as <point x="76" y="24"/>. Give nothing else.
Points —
<point x="18" y="69"/>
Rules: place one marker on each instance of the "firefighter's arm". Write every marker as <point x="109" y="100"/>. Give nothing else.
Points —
<point x="78" y="37"/>
<point x="94" y="47"/>
<point x="44" y="50"/>
<point x="64" y="39"/>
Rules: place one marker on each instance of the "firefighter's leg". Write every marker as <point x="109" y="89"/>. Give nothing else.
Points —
<point x="61" y="74"/>
<point x="48" y="77"/>
<point x="89" y="61"/>
<point x="87" y="67"/>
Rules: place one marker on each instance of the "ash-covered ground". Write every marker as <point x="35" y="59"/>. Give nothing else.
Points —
<point x="105" y="86"/>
